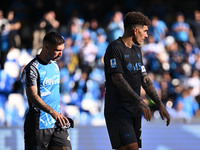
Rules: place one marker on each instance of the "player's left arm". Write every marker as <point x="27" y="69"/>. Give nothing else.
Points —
<point x="150" y="90"/>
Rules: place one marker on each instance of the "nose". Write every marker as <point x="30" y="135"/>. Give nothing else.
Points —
<point x="146" y="35"/>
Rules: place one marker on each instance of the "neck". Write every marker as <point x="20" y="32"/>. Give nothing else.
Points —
<point x="128" y="41"/>
<point x="44" y="57"/>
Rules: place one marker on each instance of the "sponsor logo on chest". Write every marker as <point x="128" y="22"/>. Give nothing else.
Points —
<point x="134" y="66"/>
<point x="50" y="81"/>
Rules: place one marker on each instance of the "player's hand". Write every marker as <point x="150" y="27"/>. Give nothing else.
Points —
<point x="145" y="109"/>
<point x="164" y="114"/>
<point x="59" y="118"/>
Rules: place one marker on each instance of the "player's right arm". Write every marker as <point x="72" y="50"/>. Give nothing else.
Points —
<point x="33" y="97"/>
<point x="126" y="89"/>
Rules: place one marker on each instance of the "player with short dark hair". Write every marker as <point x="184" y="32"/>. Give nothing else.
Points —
<point x="125" y="74"/>
<point x="42" y="78"/>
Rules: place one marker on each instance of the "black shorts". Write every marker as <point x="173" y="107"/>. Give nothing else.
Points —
<point x="44" y="138"/>
<point x="123" y="130"/>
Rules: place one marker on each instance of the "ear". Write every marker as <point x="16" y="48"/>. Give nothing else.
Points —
<point x="134" y="31"/>
<point x="46" y="45"/>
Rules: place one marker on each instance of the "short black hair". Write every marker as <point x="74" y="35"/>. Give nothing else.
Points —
<point x="133" y="18"/>
<point x="53" y="38"/>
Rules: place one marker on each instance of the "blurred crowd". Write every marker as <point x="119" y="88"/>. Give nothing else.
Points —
<point x="171" y="55"/>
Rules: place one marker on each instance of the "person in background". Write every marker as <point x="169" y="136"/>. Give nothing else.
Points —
<point x="14" y="28"/>
<point x="46" y="24"/>
<point x="158" y="29"/>
<point x="115" y="26"/>
<point x="186" y="106"/>
<point x="125" y="74"/>
<point x="4" y="44"/>
<point x="180" y="30"/>
<point x="3" y="21"/>
<point x="195" y="27"/>
<point x="42" y="82"/>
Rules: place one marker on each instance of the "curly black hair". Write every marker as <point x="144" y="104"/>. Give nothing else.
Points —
<point x="133" y="18"/>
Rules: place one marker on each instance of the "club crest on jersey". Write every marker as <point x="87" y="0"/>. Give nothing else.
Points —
<point x="113" y="63"/>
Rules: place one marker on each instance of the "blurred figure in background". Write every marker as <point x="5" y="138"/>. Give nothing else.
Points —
<point x="87" y="55"/>
<point x="46" y="24"/>
<point x="115" y="27"/>
<point x="4" y="44"/>
<point x="94" y="25"/>
<point x="14" y="27"/>
<point x="181" y="30"/>
<point x="3" y="21"/>
<point x="155" y="55"/>
<point x="101" y="45"/>
<point x="158" y="29"/>
<point x="194" y="83"/>
<point x="4" y="38"/>
<point x="195" y="27"/>
<point x="49" y="22"/>
<point x="186" y="106"/>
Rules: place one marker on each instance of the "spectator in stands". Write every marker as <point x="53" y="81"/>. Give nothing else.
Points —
<point x="14" y="27"/>
<point x="49" y="22"/>
<point x="195" y="27"/>
<point x="87" y="55"/>
<point x="194" y="82"/>
<point x="158" y="29"/>
<point x="175" y="60"/>
<point x="94" y="25"/>
<point x="186" y="106"/>
<point x="115" y="28"/>
<point x="46" y="24"/>
<point x="4" y="44"/>
<point x="75" y="34"/>
<point x="155" y="55"/>
<point x="167" y="89"/>
<point x="101" y="45"/>
<point x="190" y="53"/>
<point x="67" y="52"/>
<point x="64" y="78"/>
<point x="181" y="30"/>
<point x="3" y="21"/>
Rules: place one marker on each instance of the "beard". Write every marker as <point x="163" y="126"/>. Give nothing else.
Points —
<point x="55" y="58"/>
<point x="135" y="41"/>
